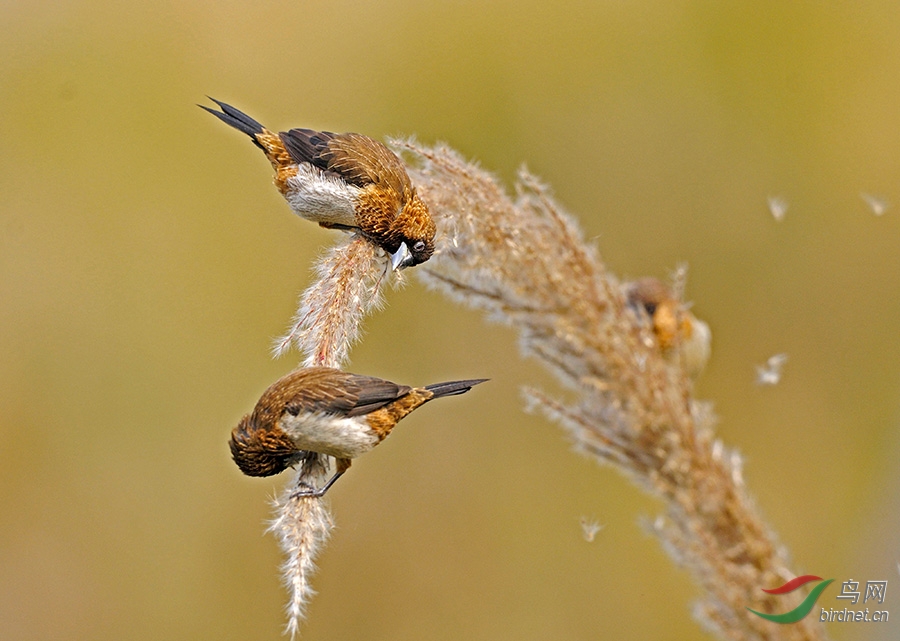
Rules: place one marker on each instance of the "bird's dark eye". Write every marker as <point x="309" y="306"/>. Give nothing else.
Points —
<point x="419" y="246"/>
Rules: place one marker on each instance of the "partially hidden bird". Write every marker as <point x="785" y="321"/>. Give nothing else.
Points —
<point x="344" y="181"/>
<point x="681" y="336"/>
<point x="329" y="411"/>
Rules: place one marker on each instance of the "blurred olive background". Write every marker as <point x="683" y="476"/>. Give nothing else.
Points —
<point x="147" y="263"/>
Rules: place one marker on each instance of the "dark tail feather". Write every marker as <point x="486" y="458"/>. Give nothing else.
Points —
<point x="453" y="388"/>
<point x="237" y="119"/>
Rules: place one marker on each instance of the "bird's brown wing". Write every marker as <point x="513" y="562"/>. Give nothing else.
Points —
<point x="307" y="145"/>
<point x="331" y="391"/>
<point x="374" y="393"/>
<point x="355" y="158"/>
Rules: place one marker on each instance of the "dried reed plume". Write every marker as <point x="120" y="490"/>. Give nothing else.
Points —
<point x="327" y="323"/>
<point x="524" y="261"/>
<point x="302" y="525"/>
<point x="328" y="318"/>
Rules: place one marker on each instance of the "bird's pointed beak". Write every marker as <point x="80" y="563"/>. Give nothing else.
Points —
<point x="400" y="258"/>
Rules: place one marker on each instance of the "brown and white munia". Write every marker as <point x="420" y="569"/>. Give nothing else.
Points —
<point x="344" y="181"/>
<point x="680" y="334"/>
<point x="326" y="410"/>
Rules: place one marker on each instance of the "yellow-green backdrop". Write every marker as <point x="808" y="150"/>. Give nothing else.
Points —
<point x="146" y="263"/>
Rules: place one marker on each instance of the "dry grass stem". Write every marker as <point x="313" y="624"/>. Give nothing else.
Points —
<point x="524" y="261"/>
<point x="302" y="526"/>
<point x="328" y="321"/>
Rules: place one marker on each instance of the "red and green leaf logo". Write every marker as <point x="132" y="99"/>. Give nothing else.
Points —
<point x="801" y="610"/>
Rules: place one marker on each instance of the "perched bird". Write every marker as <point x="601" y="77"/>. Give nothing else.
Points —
<point x="325" y="410"/>
<point x="678" y="332"/>
<point x="344" y="181"/>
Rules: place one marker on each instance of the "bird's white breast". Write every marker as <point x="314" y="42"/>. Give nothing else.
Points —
<point x="321" y="198"/>
<point x="340" y="437"/>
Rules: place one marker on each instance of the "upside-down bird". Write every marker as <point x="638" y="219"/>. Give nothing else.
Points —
<point x="325" y="410"/>
<point x="344" y="181"/>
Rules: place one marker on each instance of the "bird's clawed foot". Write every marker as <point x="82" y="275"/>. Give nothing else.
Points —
<point x="305" y="490"/>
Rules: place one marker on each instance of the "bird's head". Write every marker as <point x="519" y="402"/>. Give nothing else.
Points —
<point x="413" y="229"/>
<point x="677" y="330"/>
<point x="261" y="449"/>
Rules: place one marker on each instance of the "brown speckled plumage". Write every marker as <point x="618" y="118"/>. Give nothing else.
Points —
<point x="386" y="208"/>
<point x="261" y="452"/>
<point x="670" y="321"/>
<point x="383" y="420"/>
<point x="346" y="414"/>
<point x="681" y="336"/>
